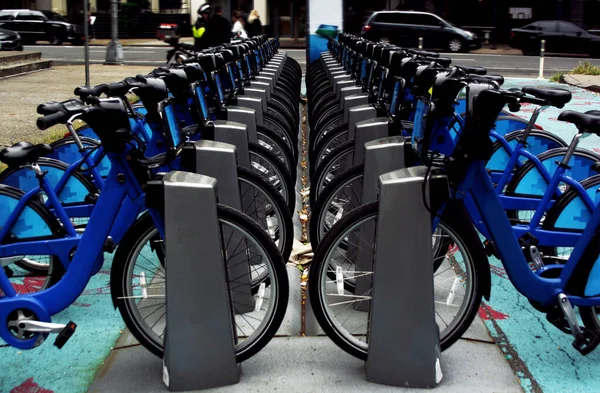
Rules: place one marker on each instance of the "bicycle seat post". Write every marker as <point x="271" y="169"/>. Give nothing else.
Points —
<point x="531" y="123"/>
<point x="571" y="149"/>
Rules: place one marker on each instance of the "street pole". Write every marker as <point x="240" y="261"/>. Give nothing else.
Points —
<point x="542" y="50"/>
<point x="86" y="49"/>
<point x="114" y="50"/>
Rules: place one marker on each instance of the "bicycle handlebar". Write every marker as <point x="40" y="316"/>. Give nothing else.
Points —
<point x="96" y="91"/>
<point x="52" y="119"/>
<point x="118" y="89"/>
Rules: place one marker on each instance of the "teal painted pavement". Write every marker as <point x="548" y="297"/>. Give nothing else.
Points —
<point x="543" y="355"/>
<point x="47" y="369"/>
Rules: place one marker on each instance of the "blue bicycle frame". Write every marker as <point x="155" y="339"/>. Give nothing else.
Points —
<point x="89" y="245"/>
<point x="483" y="198"/>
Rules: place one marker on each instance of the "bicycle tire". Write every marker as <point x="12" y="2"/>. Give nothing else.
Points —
<point x="317" y="181"/>
<point x="7" y="177"/>
<point x="54" y="269"/>
<point x="276" y="126"/>
<point x="278" y="206"/>
<point x="500" y="157"/>
<point x="287" y="189"/>
<point x="332" y="123"/>
<point x="271" y="141"/>
<point x="456" y="223"/>
<point x="143" y="227"/>
<point x="329" y="142"/>
<point x="59" y="153"/>
<point x="318" y="209"/>
<point x="513" y="188"/>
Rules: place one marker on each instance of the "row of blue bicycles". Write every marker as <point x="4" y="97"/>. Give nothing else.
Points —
<point x="515" y="191"/>
<point x="64" y="206"/>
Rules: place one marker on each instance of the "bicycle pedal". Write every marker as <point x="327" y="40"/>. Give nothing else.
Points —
<point x="586" y="341"/>
<point x="65" y="334"/>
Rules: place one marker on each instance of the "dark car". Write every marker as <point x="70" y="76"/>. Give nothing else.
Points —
<point x="405" y="27"/>
<point x="10" y="40"/>
<point x="41" y="26"/>
<point x="560" y="36"/>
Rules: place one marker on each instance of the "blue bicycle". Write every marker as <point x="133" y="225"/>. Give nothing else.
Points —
<point x="28" y="227"/>
<point x="462" y="273"/>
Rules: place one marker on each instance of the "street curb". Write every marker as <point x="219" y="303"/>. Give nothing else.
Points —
<point x="572" y="82"/>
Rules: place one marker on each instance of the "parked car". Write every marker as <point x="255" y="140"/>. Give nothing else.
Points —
<point x="405" y="27"/>
<point x="10" y="40"/>
<point x="41" y="26"/>
<point x="560" y="36"/>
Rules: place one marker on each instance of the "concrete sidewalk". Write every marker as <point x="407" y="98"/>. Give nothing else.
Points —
<point x="588" y="82"/>
<point x="284" y="42"/>
<point x="20" y="96"/>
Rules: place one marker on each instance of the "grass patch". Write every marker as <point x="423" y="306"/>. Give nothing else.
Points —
<point x="556" y="77"/>
<point x="586" y="68"/>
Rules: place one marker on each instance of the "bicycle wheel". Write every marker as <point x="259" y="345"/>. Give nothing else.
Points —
<point x="539" y="141"/>
<point x="66" y="150"/>
<point x="456" y="280"/>
<point x="145" y="316"/>
<point x="266" y="165"/>
<point x="568" y="214"/>
<point x="327" y="144"/>
<point x="317" y="135"/>
<point x="272" y="142"/>
<point x="29" y="273"/>
<point x="335" y="163"/>
<point x="265" y="205"/>
<point x="338" y="198"/>
<point x="529" y="183"/>
<point x="278" y="127"/>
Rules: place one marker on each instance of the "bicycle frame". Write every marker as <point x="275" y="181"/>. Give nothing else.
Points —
<point x="89" y="245"/>
<point x="442" y="141"/>
<point x="478" y="186"/>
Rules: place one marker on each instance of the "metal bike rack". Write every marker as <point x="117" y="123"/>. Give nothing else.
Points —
<point x="264" y="86"/>
<point x="380" y="156"/>
<point x="350" y="91"/>
<point x="199" y="345"/>
<point x="235" y="134"/>
<point x="246" y="116"/>
<point x="358" y="114"/>
<point x="268" y="78"/>
<point x="219" y="160"/>
<point x="252" y="103"/>
<point x="366" y="131"/>
<point x="404" y="345"/>
<point x="259" y="93"/>
<point x="354" y="101"/>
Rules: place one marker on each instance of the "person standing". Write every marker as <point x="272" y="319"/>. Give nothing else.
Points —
<point x="238" y="25"/>
<point x="201" y="36"/>
<point x="219" y="28"/>
<point x="254" y="25"/>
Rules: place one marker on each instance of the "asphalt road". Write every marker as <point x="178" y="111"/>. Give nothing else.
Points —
<point x="132" y="55"/>
<point x="507" y="65"/>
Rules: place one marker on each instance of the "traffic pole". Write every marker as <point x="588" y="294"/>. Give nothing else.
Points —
<point x="542" y="51"/>
<point x="114" y="50"/>
<point x="86" y="50"/>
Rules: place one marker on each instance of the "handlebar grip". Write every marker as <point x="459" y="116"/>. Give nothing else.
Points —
<point x="96" y="91"/>
<point x="51" y="119"/>
<point x="49" y="107"/>
<point x="118" y="89"/>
